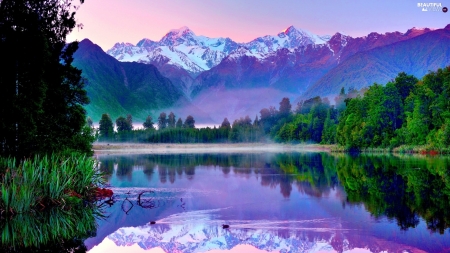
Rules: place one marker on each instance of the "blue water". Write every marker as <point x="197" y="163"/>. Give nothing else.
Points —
<point x="296" y="202"/>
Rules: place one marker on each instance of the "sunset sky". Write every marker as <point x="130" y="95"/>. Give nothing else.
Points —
<point x="109" y="21"/>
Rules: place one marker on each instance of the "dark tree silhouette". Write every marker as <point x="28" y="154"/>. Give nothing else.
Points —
<point x="148" y="124"/>
<point x="122" y="124"/>
<point x="225" y="123"/>
<point x="130" y="122"/>
<point x="171" y="120"/>
<point x="41" y="94"/>
<point x="162" y="121"/>
<point x="285" y="107"/>
<point x="106" y="128"/>
<point x="189" y="122"/>
<point x="179" y="123"/>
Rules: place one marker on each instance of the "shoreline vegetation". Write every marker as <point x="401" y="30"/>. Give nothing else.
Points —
<point x="49" y="183"/>
<point x="46" y="182"/>
<point x="101" y="148"/>
<point x="407" y="115"/>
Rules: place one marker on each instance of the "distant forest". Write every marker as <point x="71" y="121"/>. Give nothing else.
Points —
<point x="405" y="111"/>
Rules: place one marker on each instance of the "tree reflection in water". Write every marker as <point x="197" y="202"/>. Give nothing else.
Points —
<point x="402" y="188"/>
<point x="53" y="230"/>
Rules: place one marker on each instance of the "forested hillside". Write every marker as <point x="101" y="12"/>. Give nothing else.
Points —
<point x="405" y="111"/>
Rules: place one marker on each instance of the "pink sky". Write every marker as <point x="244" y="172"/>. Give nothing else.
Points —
<point x="109" y="21"/>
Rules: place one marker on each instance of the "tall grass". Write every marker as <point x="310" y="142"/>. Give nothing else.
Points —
<point x="46" y="181"/>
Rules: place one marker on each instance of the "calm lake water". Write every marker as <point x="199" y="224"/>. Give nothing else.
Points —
<point x="290" y="202"/>
<point x="287" y="202"/>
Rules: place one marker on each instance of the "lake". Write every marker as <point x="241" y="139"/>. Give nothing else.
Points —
<point x="282" y="202"/>
<point x="273" y="202"/>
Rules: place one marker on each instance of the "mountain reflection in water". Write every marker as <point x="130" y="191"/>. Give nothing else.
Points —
<point x="287" y="202"/>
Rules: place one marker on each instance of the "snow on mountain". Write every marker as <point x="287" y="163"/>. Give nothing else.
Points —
<point x="196" y="53"/>
<point x="202" y="238"/>
<point x="289" y="38"/>
<point x="181" y="47"/>
<point x="184" y="237"/>
<point x="243" y="51"/>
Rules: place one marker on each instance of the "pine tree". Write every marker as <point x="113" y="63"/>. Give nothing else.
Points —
<point x="122" y="124"/>
<point x="179" y="123"/>
<point x="225" y="123"/>
<point x="129" y="122"/>
<point x="285" y="107"/>
<point x="171" y="120"/>
<point x="148" y="124"/>
<point x="162" y="121"/>
<point x="106" y="127"/>
<point x="189" y="122"/>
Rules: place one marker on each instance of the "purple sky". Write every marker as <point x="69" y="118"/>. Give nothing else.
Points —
<point x="109" y="21"/>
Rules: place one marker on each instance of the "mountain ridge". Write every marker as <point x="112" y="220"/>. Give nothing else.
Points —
<point x="121" y="88"/>
<point x="246" y="79"/>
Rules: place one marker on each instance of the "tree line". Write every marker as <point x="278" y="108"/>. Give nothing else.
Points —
<point x="405" y="111"/>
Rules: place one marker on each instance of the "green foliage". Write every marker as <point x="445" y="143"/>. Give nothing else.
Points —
<point x="314" y="121"/>
<point x="148" y="124"/>
<point x="122" y="88"/>
<point x="378" y="118"/>
<point x="421" y="186"/>
<point x="404" y="112"/>
<point x="179" y="123"/>
<point x="41" y="94"/>
<point x="123" y="124"/>
<point x="106" y="128"/>
<point x="46" y="181"/>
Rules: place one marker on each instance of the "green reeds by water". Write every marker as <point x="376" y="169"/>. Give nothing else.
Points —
<point x="55" y="230"/>
<point x="46" y="181"/>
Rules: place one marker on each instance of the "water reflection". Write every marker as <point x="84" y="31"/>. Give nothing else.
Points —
<point x="371" y="201"/>
<point x="404" y="188"/>
<point x="275" y="170"/>
<point x="183" y="233"/>
<point x="52" y="230"/>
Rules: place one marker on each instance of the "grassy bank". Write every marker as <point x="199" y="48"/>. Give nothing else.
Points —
<point x="46" y="181"/>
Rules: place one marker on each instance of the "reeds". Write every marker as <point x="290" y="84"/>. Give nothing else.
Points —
<point x="46" y="181"/>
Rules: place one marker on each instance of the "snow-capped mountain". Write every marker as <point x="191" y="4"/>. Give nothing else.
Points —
<point x="293" y="63"/>
<point x="296" y="69"/>
<point x="182" y="48"/>
<point x="208" y="237"/>
<point x="289" y="38"/>
<point x="179" y="47"/>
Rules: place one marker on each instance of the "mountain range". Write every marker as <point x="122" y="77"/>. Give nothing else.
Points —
<point x="218" y="77"/>
<point x="187" y="237"/>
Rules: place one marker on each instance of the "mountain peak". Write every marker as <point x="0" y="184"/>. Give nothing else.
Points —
<point x="179" y="36"/>
<point x="289" y="30"/>
<point x="180" y="31"/>
<point x="145" y="43"/>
